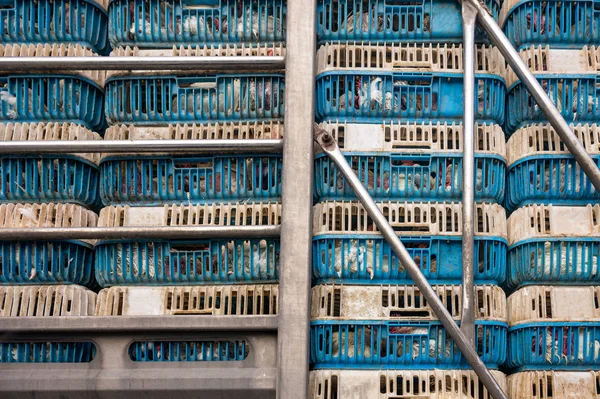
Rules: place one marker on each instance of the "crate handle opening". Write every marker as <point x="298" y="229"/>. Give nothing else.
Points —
<point x="201" y="4"/>
<point x="402" y="313"/>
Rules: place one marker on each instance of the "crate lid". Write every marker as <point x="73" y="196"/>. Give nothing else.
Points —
<point x="400" y="302"/>
<point x="192" y="300"/>
<point x="385" y="384"/>
<point x="50" y="131"/>
<point x="55" y="50"/>
<point x="221" y="214"/>
<point x="409" y="218"/>
<point x="415" y="57"/>
<point x="414" y="137"/>
<point x="543" y="303"/>
<point x="553" y="221"/>
<point x="542" y="139"/>
<point x="46" y="300"/>
<point x="46" y="215"/>
<point x="545" y="384"/>
<point x="546" y="60"/>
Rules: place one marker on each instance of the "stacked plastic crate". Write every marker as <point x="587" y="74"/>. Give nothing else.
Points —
<point x="554" y="230"/>
<point x="389" y="89"/>
<point x="220" y="275"/>
<point x="48" y="278"/>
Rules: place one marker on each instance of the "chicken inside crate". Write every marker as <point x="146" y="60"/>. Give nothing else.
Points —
<point x="554" y="328"/>
<point x="571" y="78"/>
<point x="416" y="161"/>
<point x="347" y="246"/>
<point x="74" y="22"/>
<point x="369" y="82"/>
<point x="189" y="351"/>
<point x="46" y="301"/>
<point x="143" y="179"/>
<point x="55" y="178"/>
<point x="542" y="170"/>
<point x="558" y="23"/>
<point x="167" y="23"/>
<point x="554" y="245"/>
<point x="391" y="384"/>
<point x="393" y="20"/>
<point x="52" y="98"/>
<point x="546" y="384"/>
<point x="165" y="99"/>
<point x="171" y="262"/>
<point x="388" y="326"/>
<point x="49" y="261"/>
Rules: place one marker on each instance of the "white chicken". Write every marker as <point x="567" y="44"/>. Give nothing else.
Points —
<point x="11" y="103"/>
<point x="190" y="25"/>
<point x="131" y="263"/>
<point x="347" y="348"/>
<point x="251" y="258"/>
<point x="367" y="21"/>
<point x="255" y="25"/>
<point x="566" y="263"/>
<point x="358" y="258"/>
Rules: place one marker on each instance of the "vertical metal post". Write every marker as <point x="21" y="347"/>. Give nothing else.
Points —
<point x="586" y="163"/>
<point x="467" y="323"/>
<point x="330" y="147"/>
<point x="297" y="197"/>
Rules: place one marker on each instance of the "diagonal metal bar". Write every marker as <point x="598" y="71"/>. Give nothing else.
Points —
<point x="330" y="147"/>
<point x="487" y="22"/>
<point x="467" y="322"/>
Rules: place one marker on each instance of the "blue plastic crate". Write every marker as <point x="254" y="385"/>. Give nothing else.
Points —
<point x="555" y="346"/>
<point x="392" y="344"/>
<point x="159" y="23"/>
<point x="566" y="24"/>
<point x="179" y="179"/>
<point x="187" y="262"/>
<point x="393" y="20"/>
<point x="432" y="176"/>
<point x="47" y="352"/>
<point x="562" y="260"/>
<point x="207" y="98"/>
<point x="363" y="259"/>
<point x="577" y="97"/>
<point x="406" y="96"/>
<point x="189" y="351"/>
<point x="52" y="262"/>
<point x="546" y="178"/>
<point x="49" y="178"/>
<point x="82" y="22"/>
<point x="52" y="98"/>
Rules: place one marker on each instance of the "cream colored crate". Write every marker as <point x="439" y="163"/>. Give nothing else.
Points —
<point x="221" y="50"/>
<point x="422" y="218"/>
<point x="51" y="131"/>
<point x="55" y="50"/>
<point x="407" y="57"/>
<point x="46" y="300"/>
<point x="104" y="3"/>
<point x="544" y="60"/>
<point x="209" y="131"/>
<point x="549" y="221"/>
<point x="415" y="138"/>
<point x="554" y="385"/>
<point x="197" y="300"/>
<point x="399" y="384"/>
<point x="554" y="303"/>
<point x="403" y="302"/>
<point x="223" y="214"/>
<point x="542" y="139"/>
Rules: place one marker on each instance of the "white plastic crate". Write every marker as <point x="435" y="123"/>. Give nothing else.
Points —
<point x="407" y="57"/>
<point x="373" y="384"/>
<point x="46" y="215"/>
<point x="549" y="221"/>
<point x="542" y="139"/>
<point x="544" y="60"/>
<point x="50" y="132"/>
<point x="554" y="303"/>
<point x="415" y="137"/>
<point x="217" y="300"/>
<point x="222" y="50"/>
<point x="46" y="300"/>
<point x="55" y="50"/>
<point x="554" y="384"/>
<point x="389" y="302"/>
<point x="409" y="218"/>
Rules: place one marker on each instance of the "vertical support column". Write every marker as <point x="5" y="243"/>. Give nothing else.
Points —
<point x="297" y="197"/>
<point x="467" y="324"/>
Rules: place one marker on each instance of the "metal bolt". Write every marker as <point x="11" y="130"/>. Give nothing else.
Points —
<point x="326" y="138"/>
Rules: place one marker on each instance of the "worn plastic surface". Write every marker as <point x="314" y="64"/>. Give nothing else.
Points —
<point x="554" y="384"/>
